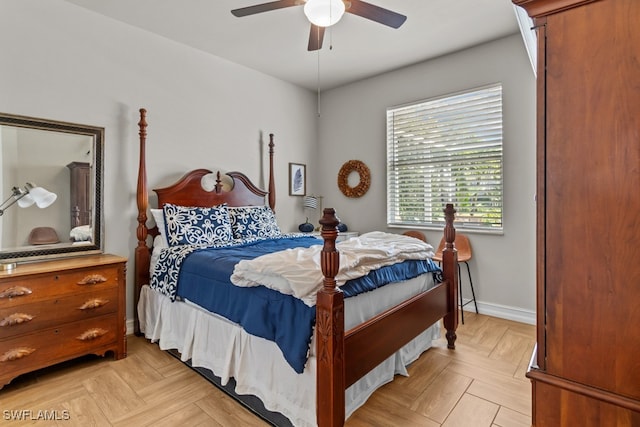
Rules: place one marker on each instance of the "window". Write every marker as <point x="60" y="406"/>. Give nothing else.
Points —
<point x="446" y="150"/>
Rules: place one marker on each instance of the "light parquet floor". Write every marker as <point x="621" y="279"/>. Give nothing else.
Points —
<point x="481" y="383"/>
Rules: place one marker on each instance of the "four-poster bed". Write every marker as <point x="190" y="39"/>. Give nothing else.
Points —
<point x="345" y="349"/>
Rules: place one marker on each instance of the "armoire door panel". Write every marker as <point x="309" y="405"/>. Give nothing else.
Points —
<point x="592" y="195"/>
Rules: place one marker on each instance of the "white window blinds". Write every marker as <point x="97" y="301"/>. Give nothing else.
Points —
<point x="446" y="150"/>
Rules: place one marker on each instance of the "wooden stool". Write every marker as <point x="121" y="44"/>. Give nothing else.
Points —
<point x="464" y="255"/>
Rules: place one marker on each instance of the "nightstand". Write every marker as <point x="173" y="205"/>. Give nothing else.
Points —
<point x="52" y="311"/>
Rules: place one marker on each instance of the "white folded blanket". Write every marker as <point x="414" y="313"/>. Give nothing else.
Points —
<point x="297" y="271"/>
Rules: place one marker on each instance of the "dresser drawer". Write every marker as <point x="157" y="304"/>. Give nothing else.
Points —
<point x="45" y="286"/>
<point x="48" y="346"/>
<point x="25" y="318"/>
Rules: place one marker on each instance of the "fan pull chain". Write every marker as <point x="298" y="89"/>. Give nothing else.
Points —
<point x="318" y="74"/>
<point x="330" y="29"/>
<point x="330" y="38"/>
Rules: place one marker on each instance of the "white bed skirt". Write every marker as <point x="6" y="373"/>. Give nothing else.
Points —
<point x="257" y="364"/>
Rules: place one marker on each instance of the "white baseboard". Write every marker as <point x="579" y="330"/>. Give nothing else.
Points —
<point x="504" y="312"/>
<point x="129" y="326"/>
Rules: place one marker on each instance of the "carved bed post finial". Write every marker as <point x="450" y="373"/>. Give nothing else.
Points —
<point x="218" y="186"/>
<point x="272" y="182"/>
<point x="330" y="371"/>
<point x="450" y="273"/>
<point x="142" y="255"/>
<point x="330" y="261"/>
<point x="449" y="229"/>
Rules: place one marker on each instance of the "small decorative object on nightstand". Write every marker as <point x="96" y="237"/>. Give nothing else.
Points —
<point x="306" y="227"/>
<point x="342" y="227"/>
<point x="53" y="311"/>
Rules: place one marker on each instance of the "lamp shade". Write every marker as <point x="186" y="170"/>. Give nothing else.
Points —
<point x="310" y="202"/>
<point x="26" y="201"/>
<point x="42" y="197"/>
<point x="324" y="13"/>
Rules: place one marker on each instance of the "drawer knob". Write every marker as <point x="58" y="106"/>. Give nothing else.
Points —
<point x="16" y="353"/>
<point x="91" y="334"/>
<point x="92" y="279"/>
<point x="15" y="291"/>
<point x="16" y="319"/>
<point x="93" y="303"/>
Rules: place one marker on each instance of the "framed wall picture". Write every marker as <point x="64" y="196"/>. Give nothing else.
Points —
<point x="297" y="179"/>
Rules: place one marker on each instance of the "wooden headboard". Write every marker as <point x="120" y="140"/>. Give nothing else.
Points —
<point x="188" y="191"/>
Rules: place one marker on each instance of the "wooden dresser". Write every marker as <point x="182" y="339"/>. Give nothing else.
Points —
<point x="57" y="310"/>
<point x="586" y="370"/>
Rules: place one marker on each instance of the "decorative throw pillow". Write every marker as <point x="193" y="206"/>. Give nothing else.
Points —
<point x="197" y="226"/>
<point x="253" y="222"/>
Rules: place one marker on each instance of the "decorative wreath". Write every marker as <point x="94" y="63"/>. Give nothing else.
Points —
<point x="363" y="173"/>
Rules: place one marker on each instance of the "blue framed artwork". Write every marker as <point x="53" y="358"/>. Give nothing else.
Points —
<point x="297" y="179"/>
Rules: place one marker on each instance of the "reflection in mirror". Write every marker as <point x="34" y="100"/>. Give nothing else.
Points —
<point x="51" y="188"/>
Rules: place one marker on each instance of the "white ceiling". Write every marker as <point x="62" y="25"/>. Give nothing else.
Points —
<point x="275" y="42"/>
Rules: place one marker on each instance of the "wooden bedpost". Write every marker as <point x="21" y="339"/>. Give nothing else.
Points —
<point x="330" y="371"/>
<point x="142" y="255"/>
<point x="450" y="273"/>
<point x="272" y="183"/>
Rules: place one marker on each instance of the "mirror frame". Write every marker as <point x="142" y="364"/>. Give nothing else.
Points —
<point x="31" y="254"/>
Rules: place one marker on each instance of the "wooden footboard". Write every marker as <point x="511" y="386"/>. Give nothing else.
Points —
<point x="344" y="357"/>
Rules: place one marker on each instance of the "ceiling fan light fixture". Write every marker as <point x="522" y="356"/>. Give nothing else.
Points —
<point x="324" y="13"/>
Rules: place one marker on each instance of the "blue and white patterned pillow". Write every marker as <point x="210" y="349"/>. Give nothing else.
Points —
<point x="253" y="222"/>
<point x="197" y="226"/>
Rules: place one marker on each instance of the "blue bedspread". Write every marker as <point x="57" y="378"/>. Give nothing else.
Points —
<point x="203" y="278"/>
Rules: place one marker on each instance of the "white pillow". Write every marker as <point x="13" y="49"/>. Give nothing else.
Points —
<point x="158" y="245"/>
<point x="158" y="216"/>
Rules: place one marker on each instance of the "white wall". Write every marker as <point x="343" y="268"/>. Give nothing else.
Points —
<point x="352" y="126"/>
<point x="65" y="63"/>
<point x="62" y="62"/>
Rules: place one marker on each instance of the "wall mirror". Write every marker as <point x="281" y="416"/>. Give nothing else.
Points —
<point x="50" y="188"/>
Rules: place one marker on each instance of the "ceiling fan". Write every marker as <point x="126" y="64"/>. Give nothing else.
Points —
<point x="332" y="11"/>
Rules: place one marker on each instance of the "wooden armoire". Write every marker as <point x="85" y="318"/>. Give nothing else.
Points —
<point x="586" y="368"/>
<point x="80" y="193"/>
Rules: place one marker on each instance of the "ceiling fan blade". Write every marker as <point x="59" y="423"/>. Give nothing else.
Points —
<point x="376" y="13"/>
<point x="265" y="7"/>
<point x="316" y="36"/>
